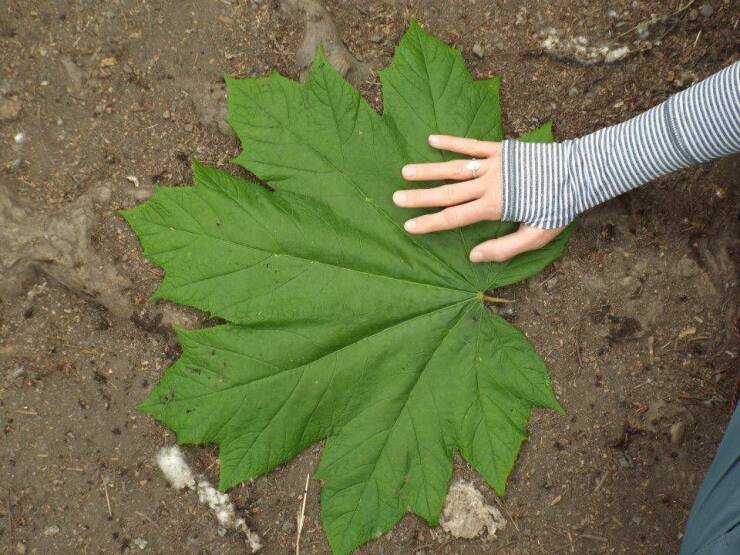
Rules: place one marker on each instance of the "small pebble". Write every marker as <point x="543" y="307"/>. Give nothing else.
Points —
<point x="706" y="10"/>
<point x="678" y="430"/>
<point x="52" y="530"/>
<point x="573" y="92"/>
<point x="288" y="526"/>
<point x="9" y="109"/>
<point x="478" y="50"/>
<point x="141" y="543"/>
<point x="376" y="38"/>
<point x="21" y="548"/>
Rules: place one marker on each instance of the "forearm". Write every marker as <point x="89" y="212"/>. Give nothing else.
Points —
<point x="547" y="185"/>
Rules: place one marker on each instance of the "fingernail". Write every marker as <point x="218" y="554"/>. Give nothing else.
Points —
<point x="399" y="197"/>
<point x="433" y="139"/>
<point x="408" y="171"/>
<point x="410" y="225"/>
<point x="476" y="256"/>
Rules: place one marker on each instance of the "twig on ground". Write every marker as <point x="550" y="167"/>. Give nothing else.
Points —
<point x="653" y="20"/>
<point x="301" y="517"/>
<point x="594" y="538"/>
<point x="147" y="518"/>
<point x="107" y="499"/>
<point x="601" y="481"/>
<point x="508" y="514"/>
<point x="696" y="40"/>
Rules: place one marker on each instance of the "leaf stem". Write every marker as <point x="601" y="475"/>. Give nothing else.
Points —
<point x="496" y="300"/>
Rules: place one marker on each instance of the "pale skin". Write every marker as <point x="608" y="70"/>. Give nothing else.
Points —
<point x="474" y="198"/>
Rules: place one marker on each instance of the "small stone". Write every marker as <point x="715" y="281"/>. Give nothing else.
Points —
<point x="643" y="31"/>
<point x="21" y="548"/>
<point x="141" y="543"/>
<point x="594" y="283"/>
<point x="103" y="193"/>
<point x="467" y="515"/>
<point x="52" y="530"/>
<point x="74" y="74"/>
<point x="221" y="531"/>
<point x="706" y="10"/>
<point x="166" y="114"/>
<point x="478" y="50"/>
<point x="16" y="372"/>
<point x="142" y="193"/>
<point x="9" y="109"/>
<point x="376" y="38"/>
<point x="624" y="462"/>
<point x="288" y="527"/>
<point x="188" y="127"/>
<point x="687" y="267"/>
<point x="678" y="430"/>
<point x="507" y="311"/>
<point x="574" y="92"/>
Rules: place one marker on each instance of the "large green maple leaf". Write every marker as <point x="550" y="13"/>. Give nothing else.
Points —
<point x="340" y="324"/>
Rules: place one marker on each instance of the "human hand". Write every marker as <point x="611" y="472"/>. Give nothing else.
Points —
<point x="476" y="197"/>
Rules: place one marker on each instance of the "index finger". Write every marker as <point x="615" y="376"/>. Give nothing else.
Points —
<point x="463" y="145"/>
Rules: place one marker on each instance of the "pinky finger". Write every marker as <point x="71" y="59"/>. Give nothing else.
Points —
<point x="524" y="239"/>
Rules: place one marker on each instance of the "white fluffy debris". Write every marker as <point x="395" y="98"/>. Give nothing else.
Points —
<point x="466" y="514"/>
<point x="178" y="473"/>
<point x="220" y="503"/>
<point x="174" y="467"/>
<point x="579" y="50"/>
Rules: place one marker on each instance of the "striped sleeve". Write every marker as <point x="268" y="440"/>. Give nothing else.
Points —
<point x="548" y="185"/>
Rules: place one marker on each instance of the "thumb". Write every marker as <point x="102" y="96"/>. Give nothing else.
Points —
<point x="526" y="238"/>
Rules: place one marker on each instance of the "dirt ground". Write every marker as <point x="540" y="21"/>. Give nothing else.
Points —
<point x="637" y="323"/>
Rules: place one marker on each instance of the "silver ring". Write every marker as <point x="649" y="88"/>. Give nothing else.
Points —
<point x="473" y="166"/>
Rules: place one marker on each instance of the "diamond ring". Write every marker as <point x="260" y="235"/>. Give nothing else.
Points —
<point x="474" y="167"/>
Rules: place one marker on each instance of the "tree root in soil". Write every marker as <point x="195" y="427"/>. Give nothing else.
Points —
<point x="321" y="30"/>
<point x="58" y="246"/>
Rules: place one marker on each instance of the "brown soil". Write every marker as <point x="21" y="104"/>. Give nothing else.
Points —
<point x="636" y="323"/>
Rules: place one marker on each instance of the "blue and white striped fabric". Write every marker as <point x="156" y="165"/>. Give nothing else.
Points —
<point x="548" y="185"/>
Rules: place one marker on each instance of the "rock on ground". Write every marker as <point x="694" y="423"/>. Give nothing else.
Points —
<point x="467" y="515"/>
